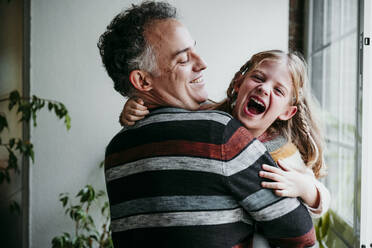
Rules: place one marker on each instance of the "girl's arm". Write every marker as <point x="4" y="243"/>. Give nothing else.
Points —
<point x="133" y="110"/>
<point x="290" y="182"/>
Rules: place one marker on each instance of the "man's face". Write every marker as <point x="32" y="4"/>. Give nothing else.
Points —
<point x="179" y="79"/>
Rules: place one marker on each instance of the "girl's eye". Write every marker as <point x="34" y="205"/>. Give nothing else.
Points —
<point x="257" y="78"/>
<point x="279" y="91"/>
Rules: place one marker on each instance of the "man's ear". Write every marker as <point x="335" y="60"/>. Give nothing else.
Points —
<point x="140" y="80"/>
<point x="291" y="111"/>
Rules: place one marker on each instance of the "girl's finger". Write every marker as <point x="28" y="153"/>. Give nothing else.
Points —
<point x="126" y="123"/>
<point x="272" y="185"/>
<point x="272" y="176"/>
<point x="282" y="193"/>
<point x="138" y="112"/>
<point x="272" y="169"/>
<point x="132" y="118"/>
<point x="138" y="106"/>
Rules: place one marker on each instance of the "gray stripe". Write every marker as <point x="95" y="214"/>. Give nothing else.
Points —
<point x="259" y="199"/>
<point x="276" y="210"/>
<point x="245" y="159"/>
<point x="275" y="144"/>
<point x="180" y="219"/>
<point x="172" y="204"/>
<point x="213" y="116"/>
<point x="165" y="163"/>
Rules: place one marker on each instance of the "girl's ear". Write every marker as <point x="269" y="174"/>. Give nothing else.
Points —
<point x="288" y="114"/>
<point x="140" y="80"/>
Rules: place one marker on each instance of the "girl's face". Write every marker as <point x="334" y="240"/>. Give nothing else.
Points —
<point x="264" y="95"/>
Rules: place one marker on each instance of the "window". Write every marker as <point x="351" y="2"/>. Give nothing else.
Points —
<point x="332" y="55"/>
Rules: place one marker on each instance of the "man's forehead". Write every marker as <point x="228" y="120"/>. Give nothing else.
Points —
<point x="168" y="35"/>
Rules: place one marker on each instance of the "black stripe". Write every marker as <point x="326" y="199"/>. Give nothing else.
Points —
<point x="198" y="131"/>
<point x="248" y="181"/>
<point x="165" y="183"/>
<point x="216" y="236"/>
<point x="274" y="228"/>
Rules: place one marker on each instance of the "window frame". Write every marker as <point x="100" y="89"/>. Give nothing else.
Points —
<point x="346" y="234"/>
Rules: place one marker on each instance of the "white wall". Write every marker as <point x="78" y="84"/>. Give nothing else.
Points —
<point x="65" y="65"/>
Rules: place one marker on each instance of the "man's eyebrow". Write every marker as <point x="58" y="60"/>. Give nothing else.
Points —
<point x="183" y="50"/>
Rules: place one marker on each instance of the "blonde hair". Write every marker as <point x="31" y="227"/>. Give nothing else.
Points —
<point x="302" y="128"/>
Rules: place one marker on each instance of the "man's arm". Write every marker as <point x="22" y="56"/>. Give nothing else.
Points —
<point x="285" y="222"/>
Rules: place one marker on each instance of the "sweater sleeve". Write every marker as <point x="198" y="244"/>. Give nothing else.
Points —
<point x="285" y="222"/>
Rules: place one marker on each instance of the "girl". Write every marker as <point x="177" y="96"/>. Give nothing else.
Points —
<point x="269" y="96"/>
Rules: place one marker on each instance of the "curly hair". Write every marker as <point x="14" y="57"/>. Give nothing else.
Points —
<point x="123" y="47"/>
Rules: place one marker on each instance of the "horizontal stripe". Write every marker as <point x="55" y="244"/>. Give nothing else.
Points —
<point x="180" y="219"/>
<point x="188" y="116"/>
<point x="188" y="148"/>
<point x="258" y="200"/>
<point x="165" y="163"/>
<point x="241" y="162"/>
<point x="165" y="183"/>
<point x="172" y="204"/>
<point x="276" y="210"/>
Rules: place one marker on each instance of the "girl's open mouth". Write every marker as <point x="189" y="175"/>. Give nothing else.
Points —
<point x="255" y="106"/>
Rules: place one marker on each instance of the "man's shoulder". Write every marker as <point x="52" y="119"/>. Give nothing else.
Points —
<point x="164" y="124"/>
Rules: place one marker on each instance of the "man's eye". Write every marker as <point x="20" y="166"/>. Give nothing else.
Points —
<point x="184" y="60"/>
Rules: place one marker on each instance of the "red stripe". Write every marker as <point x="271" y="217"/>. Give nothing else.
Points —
<point x="237" y="142"/>
<point x="305" y="240"/>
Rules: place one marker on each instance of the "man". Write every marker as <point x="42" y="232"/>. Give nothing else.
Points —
<point x="182" y="178"/>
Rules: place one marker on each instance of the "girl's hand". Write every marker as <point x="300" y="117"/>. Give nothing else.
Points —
<point x="133" y="110"/>
<point x="289" y="182"/>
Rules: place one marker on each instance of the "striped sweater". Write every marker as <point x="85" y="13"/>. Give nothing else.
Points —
<point x="190" y="179"/>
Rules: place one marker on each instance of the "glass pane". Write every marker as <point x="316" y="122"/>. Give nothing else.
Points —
<point x="332" y="89"/>
<point x="318" y="17"/>
<point x="349" y="15"/>
<point x="349" y="86"/>
<point x="333" y="20"/>
<point x="317" y="76"/>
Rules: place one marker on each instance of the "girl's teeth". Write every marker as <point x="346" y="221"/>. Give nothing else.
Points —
<point x="258" y="102"/>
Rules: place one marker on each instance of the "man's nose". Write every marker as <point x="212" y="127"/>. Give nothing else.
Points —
<point x="199" y="64"/>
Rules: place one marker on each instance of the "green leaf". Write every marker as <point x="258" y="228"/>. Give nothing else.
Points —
<point x="64" y="200"/>
<point x="12" y="162"/>
<point x="14" y="98"/>
<point x="50" y="106"/>
<point x="68" y="121"/>
<point x="3" y="123"/>
<point x="12" y="142"/>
